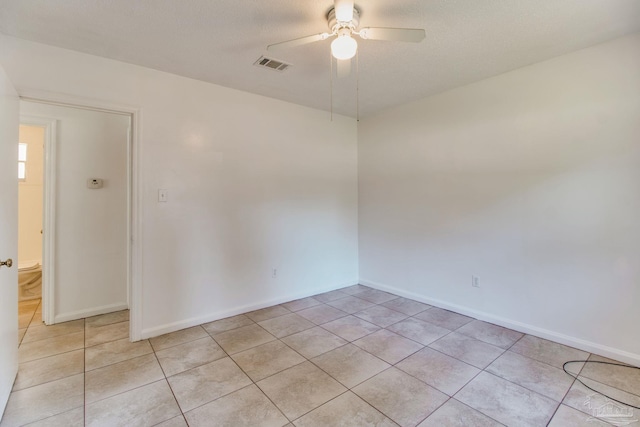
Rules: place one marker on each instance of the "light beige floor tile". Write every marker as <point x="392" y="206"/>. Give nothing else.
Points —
<point x="313" y="342"/>
<point x="121" y="377"/>
<point x="107" y="319"/>
<point x="489" y="333"/>
<point x="351" y="290"/>
<point x="401" y="397"/>
<point x="469" y="350"/>
<point x="375" y="296"/>
<point x="456" y="414"/>
<point x="107" y="333"/>
<point x="203" y="384"/>
<point x="330" y="296"/>
<point x="243" y="338"/>
<point x="351" y="328"/>
<point x="45" y="400"/>
<point x="444" y="318"/>
<point x="321" y="314"/>
<point x="506" y="402"/>
<point x="581" y="398"/>
<point x="350" y="365"/>
<point x="549" y="352"/>
<point x="351" y="304"/>
<point x="286" y="325"/>
<point x="418" y="330"/>
<point x="301" y="304"/>
<point x="189" y="355"/>
<point x="50" y="368"/>
<point x="406" y="306"/>
<point x="569" y="417"/>
<point x="178" y="421"/>
<point x="245" y="407"/>
<point x="144" y="406"/>
<point x="347" y="410"/>
<point x="24" y="320"/>
<point x="29" y="306"/>
<point x="438" y="370"/>
<point x="224" y="325"/>
<point x="267" y="359"/>
<point x="300" y="389"/>
<point x="388" y="346"/>
<point x="381" y="316"/>
<point x="531" y="374"/>
<point x="114" y="352"/>
<point x="50" y="346"/>
<point x="620" y="377"/>
<point x="21" y="333"/>
<point x="40" y="332"/>
<point x="73" y="418"/>
<point x="267" y="313"/>
<point x="177" y="338"/>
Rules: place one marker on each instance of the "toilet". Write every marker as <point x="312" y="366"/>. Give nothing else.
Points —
<point x="29" y="281"/>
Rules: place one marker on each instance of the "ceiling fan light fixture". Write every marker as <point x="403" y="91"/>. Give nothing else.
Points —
<point x="344" y="46"/>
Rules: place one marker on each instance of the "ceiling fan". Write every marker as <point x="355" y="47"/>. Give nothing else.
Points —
<point x="343" y="20"/>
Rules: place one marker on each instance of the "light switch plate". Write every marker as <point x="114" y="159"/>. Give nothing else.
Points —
<point x="163" y="195"/>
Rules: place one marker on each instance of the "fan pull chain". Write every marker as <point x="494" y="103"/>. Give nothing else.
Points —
<point x="357" y="86"/>
<point x="331" y="84"/>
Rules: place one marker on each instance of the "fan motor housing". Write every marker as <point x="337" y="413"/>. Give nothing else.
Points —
<point x="334" y="25"/>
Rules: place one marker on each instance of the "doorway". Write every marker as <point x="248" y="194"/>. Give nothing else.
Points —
<point x="85" y="256"/>
<point x="30" y="213"/>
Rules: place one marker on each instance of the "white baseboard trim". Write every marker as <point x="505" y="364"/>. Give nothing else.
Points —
<point x="80" y="314"/>
<point x="195" y="321"/>
<point x="591" y="347"/>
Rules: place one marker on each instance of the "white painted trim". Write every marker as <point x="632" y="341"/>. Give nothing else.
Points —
<point x="134" y="205"/>
<point x="48" y="211"/>
<point x="194" y="321"/>
<point x="65" y="317"/>
<point x="579" y="343"/>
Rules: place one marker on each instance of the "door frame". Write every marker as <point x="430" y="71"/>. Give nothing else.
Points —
<point x="48" y="211"/>
<point x="134" y="206"/>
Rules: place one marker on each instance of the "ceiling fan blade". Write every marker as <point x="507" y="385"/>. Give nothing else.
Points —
<point x="393" y="34"/>
<point x="343" y="68"/>
<point x="299" y="41"/>
<point x="344" y="10"/>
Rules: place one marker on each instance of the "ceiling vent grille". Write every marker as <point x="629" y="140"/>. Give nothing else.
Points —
<point x="271" y="64"/>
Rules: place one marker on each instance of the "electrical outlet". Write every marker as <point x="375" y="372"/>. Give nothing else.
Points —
<point x="274" y="273"/>
<point x="475" y="281"/>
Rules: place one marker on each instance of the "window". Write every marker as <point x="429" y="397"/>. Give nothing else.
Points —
<point x="22" y="161"/>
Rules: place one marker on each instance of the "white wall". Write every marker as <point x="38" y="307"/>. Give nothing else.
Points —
<point x="90" y="271"/>
<point x="254" y="183"/>
<point x="30" y="197"/>
<point x="529" y="180"/>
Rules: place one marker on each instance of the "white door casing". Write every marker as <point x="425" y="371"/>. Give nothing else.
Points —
<point x="9" y="122"/>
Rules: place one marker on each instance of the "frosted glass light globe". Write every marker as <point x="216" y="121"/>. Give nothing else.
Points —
<point x="344" y="47"/>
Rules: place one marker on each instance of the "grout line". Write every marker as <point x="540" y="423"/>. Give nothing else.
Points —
<point x="166" y="380"/>
<point x="84" y="373"/>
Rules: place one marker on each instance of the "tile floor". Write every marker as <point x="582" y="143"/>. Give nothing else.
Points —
<point x="352" y="357"/>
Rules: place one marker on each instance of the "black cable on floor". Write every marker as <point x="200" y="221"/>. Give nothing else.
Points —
<point x="602" y="363"/>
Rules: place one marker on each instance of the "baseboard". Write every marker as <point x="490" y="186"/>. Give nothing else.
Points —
<point x="80" y="314"/>
<point x="194" y="321"/>
<point x="591" y="347"/>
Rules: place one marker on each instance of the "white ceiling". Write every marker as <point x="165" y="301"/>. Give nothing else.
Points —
<point x="218" y="41"/>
